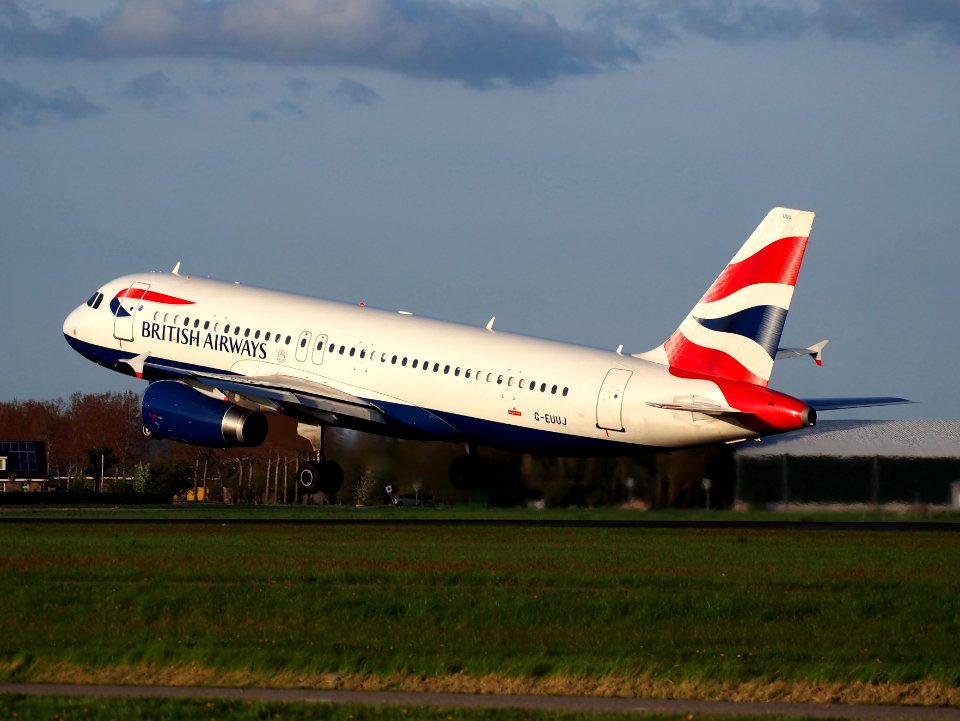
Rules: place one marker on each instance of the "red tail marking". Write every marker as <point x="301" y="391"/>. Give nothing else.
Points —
<point x="684" y="354"/>
<point x="778" y="262"/>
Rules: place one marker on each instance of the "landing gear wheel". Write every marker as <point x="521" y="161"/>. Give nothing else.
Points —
<point x="320" y="477"/>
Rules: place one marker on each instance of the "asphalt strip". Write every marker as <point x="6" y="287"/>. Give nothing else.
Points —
<point x="527" y="702"/>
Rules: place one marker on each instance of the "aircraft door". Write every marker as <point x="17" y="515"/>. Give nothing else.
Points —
<point x="318" y="348"/>
<point x="125" y="310"/>
<point x="610" y="400"/>
<point x="303" y="346"/>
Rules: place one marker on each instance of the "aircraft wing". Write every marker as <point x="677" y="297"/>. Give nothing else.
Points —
<point x="834" y="404"/>
<point x="276" y="393"/>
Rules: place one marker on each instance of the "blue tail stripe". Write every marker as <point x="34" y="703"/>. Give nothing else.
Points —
<point x="762" y="324"/>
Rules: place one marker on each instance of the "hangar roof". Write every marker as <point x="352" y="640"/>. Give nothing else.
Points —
<point x="864" y="439"/>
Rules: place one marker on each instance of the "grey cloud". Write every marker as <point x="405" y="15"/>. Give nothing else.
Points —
<point x="22" y="106"/>
<point x="478" y="45"/>
<point x="656" y="22"/>
<point x="300" y="86"/>
<point x="889" y="20"/>
<point x="152" y="89"/>
<point x="355" y="93"/>
<point x="291" y="108"/>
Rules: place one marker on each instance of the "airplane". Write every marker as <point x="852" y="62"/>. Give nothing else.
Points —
<point x="219" y="356"/>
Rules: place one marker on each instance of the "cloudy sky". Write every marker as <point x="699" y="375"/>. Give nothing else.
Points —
<point x="582" y="170"/>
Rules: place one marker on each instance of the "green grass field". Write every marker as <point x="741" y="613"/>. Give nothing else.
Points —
<point x="713" y="613"/>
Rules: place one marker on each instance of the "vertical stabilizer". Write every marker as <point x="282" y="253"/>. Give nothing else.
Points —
<point x="734" y="331"/>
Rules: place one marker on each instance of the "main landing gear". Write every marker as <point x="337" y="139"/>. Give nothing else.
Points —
<point x="472" y="471"/>
<point x="320" y="475"/>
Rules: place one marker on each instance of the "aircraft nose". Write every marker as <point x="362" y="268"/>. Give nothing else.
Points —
<point x="71" y="323"/>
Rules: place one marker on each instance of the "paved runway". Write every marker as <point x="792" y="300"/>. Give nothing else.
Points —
<point x="583" y="704"/>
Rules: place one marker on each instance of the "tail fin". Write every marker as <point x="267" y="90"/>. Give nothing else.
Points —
<point x="734" y="331"/>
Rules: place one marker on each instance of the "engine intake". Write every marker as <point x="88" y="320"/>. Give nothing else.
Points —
<point x="174" y="410"/>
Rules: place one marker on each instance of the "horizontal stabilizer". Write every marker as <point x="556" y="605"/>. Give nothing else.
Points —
<point x="815" y="351"/>
<point x="835" y="404"/>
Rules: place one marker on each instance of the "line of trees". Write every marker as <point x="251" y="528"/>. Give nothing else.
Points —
<point x="90" y="432"/>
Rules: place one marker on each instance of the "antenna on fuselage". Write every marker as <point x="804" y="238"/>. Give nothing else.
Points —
<point x="176" y="269"/>
<point x="489" y="325"/>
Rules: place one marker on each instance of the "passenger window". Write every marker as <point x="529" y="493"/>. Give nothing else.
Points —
<point x="533" y="385"/>
<point x="156" y="315"/>
<point x="166" y="317"/>
<point x="489" y="377"/>
<point x="553" y="391"/>
<point x="206" y="325"/>
<point x="186" y="322"/>
<point x="446" y="370"/>
<point x="543" y="387"/>
<point x="236" y="330"/>
<point x="246" y="333"/>
<point x="256" y="335"/>
<point x="266" y="336"/>
<point x="467" y="373"/>
<point x="363" y="353"/>
<point x="565" y="390"/>
<point x="394" y="360"/>
<point x="216" y="327"/>
<point x="332" y="347"/>
<point x="456" y="371"/>
<point x="226" y="328"/>
<point x="436" y="367"/>
<point x="303" y="342"/>
<point x="510" y="381"/>
<point x="342" y="349"/>
<point x="320" y="344"/>
<point x="414" y="364"/>
<point x="196" y="323"/>
<point x="404" y="362"/>
<point x="287" y="341"/>
<point x="352" y="352"/>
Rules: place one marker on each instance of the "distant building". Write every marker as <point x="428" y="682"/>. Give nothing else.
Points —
<point x="852" y="462"/>
<point x="23" y="465"/>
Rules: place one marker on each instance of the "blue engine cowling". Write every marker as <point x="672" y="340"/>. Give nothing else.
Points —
<point x="174" y="410"/>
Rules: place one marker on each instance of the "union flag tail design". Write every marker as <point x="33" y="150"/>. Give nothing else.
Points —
<point x="734" y="331"/>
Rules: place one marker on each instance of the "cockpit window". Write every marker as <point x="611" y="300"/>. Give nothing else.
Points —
<point x="95" y="300"/>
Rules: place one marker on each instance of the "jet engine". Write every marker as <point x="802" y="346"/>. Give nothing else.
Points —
<point x="174" y="410"/>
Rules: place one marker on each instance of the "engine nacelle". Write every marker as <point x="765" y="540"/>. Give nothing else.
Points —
<point x="174" y="410"/>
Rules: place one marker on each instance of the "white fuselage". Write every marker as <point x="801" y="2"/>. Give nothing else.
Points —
<point x="490" y="388"/>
